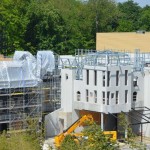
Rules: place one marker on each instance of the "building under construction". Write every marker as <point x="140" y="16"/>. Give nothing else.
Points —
<point x="29" y="88"/>
<point x="104" y="84"/>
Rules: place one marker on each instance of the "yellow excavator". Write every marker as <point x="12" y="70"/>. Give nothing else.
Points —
<point x="59" y="138"/>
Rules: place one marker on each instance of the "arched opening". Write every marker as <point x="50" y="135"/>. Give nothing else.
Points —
<point x="78" y="96"/>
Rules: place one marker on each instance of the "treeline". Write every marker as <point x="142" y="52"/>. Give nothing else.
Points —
<point x="65" y="25"/>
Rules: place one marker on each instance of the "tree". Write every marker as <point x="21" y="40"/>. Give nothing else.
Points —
<point x="131" y="137"/>
<point x="92" y="139"/>
<point x="129" y="18"/>
<point x="12" y="22"/>
<point x="69" y="142"/>
<point x="144" y="19"/>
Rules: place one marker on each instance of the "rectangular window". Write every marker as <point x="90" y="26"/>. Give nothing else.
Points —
<point x="126" y="77"/>
<point x="117" y="78"/>
<point x="103" y="93"/>
<point x="95" y="77"/>
<point x="112" y="95"/>
<point x="103" y="74"/>
<point x="117" y="97"/>
<point x="87" y="95"/>
<point x="78" y="96"/>
<point x="95" y="96"/>
<point x="108" y="93"/>
<point x="108" y="78"/>
<point x="87" y="77"/>
<point x="126" y="96"/>
<point x="134" y="96"/>
<point x="135" y="82"/>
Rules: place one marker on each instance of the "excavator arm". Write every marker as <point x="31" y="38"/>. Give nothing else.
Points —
<point x="59" y="138"/>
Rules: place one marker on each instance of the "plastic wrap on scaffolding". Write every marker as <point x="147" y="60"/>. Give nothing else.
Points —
<point x="28" y="58"/>
<point x="45" y="63"/>
<point x="15" y="74"/>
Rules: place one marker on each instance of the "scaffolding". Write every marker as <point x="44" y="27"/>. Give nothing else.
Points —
<point x="28" y="89"/>
<point x="17" y="105"/>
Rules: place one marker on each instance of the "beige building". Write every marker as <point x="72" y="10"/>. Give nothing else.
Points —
<point x="128" y="41"/>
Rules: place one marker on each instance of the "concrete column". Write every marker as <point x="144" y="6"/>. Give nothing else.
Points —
<point x="102" y="121"/>
<point x="126" y="130"/>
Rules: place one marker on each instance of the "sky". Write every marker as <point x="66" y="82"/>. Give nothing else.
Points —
<point x="142" y="3"/>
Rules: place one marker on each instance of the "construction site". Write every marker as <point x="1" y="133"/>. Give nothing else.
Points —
<point x="28" y="90"/>
<point x="58" y="90"/>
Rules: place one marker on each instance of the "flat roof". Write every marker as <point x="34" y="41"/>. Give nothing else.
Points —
<point x="128" y="41"/>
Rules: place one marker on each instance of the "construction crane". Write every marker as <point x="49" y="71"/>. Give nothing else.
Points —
<point x="59" y="138"/>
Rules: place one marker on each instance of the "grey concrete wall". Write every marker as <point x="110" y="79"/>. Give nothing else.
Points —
<point x="146" y="127"/>
<point x="81" y="85"/>
<point x="53" y="125"/>
<point x="67" y="89"/>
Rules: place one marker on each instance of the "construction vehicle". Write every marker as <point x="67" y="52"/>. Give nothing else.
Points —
<point x="59" y="138"/>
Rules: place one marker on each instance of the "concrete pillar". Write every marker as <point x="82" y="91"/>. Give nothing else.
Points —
<point x="102" y="121"/>
<point x="126" y="130"/>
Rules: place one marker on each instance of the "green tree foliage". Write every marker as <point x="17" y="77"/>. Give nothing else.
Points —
<point x="92" y="139"/>
<point x="12" y="25"/>
<point x="128" y="20"/>
<point x="131" y="138"/>
<point x="69" y="143"/>
<point x="31" y="139"/>
<point x="144" y="19"/>
<point x="65" y="25"/>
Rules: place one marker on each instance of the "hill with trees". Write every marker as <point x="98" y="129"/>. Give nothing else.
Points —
<point x="65" y="25"/>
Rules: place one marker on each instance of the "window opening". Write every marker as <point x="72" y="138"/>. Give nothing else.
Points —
<point x="108" y="78"/>
<point x="103" y="93"/>
<point x="117" y="78"/>
<point x="117" y="97"/>
<point x="95" y="96"/>
<point x="95" y="77"/>
<point x="134" y="96"/>
<point x="87" y="77"/>
<point x="135" y="82"/>
<point x="108" y="93"/>
<point x="112" y="95"/>
<point x="103" y="74"/>
<point x="78" y="96"/>
<point x="87" y="95"/>
<point x="126" y="96"/>
<point x="126" y="77"/>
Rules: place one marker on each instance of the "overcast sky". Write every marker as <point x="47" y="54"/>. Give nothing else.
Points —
<point x="140" y="2"/>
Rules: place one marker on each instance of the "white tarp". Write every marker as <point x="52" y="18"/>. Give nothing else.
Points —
<point x="28" y="58"/>
<point x="14" y="74"/>
<point x="25" y="70"/>
<point x="45" y="63"/>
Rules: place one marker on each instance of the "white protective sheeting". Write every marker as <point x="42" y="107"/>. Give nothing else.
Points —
<point x="45" y="63"/>
<point x="15" y="74"/>
<point x="28" y="58"/>
<point x="25" y="70"/>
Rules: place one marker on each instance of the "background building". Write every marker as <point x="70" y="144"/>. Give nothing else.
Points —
<point x="125" y="41"/>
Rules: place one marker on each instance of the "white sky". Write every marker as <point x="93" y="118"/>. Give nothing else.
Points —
<point x="140" y="2"/>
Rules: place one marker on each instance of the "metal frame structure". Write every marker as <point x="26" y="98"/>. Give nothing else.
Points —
<point x="17" y="105"/>
<point x="137" y="60"/>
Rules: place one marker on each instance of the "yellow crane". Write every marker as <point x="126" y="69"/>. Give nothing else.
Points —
<point x="59" y="138"/>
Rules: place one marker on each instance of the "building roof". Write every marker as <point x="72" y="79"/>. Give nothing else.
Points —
<point x="128" y="41"/>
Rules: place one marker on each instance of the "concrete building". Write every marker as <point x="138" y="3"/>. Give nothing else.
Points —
<point x="104" y="84"/>
<point x="128" y="41"/>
